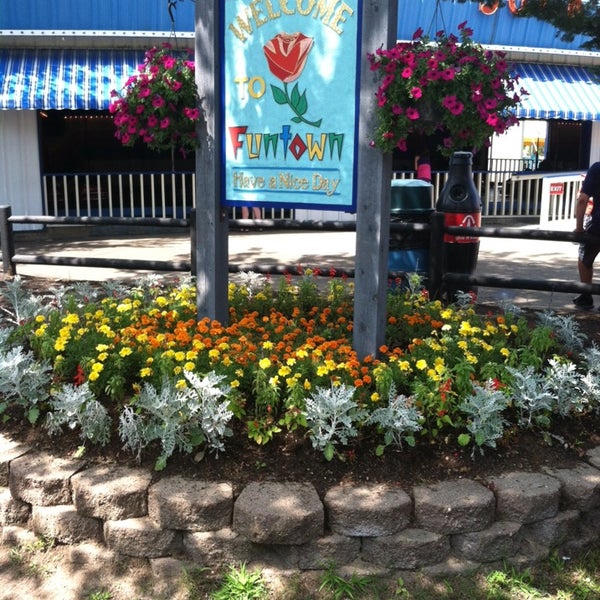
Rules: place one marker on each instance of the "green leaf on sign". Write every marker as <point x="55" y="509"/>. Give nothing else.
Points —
<point x="278" y="95"/>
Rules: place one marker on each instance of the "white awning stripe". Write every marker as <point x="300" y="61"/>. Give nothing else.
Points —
<point x="63" y="79"/>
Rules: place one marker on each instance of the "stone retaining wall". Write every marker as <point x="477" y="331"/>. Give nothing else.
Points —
<point x="447" y="527"/>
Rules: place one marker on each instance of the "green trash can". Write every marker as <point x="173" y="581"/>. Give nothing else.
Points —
<point x="411" y="202"/>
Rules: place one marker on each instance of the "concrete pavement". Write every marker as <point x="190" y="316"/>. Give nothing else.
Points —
<point x="506" y="257"/>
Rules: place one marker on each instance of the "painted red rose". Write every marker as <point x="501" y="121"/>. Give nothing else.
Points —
<point x="286" y="55"/>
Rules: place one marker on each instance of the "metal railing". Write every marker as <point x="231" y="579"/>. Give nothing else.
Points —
<point x="504" y="194"/>
<point x="165" y="195"/>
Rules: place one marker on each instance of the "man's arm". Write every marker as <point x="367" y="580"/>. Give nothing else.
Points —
<point x="580" y="208"/>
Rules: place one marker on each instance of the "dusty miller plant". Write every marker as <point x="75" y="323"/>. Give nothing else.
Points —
<point x="485" y="422"/>
<point x="22" y="305"/>
<point x="398" y="421"/>
<point x="566" y="329"/>
<point x="180" y="419"/>
<point x="566" y="387"/>
<point x="76" y="406"/>
<point x="590" y="380"/>
<point x="332" y="416"/>
<point x="531" y="396"/>
<point x="24" y="381"/>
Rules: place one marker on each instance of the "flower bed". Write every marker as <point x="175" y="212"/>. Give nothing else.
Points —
<point x="137" y="361"/>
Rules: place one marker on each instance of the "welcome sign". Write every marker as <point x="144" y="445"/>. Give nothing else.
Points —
<point x="291" y="79"/>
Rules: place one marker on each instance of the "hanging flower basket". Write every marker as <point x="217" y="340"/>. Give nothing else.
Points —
<point x="159" y="106"/>
<point x="447" y="84"/>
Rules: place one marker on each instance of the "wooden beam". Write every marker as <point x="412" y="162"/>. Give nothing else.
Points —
<point x="373" y="191"/>
<point x="212" y="248"/>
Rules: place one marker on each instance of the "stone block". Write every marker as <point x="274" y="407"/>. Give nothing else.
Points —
<point x="140" y="537"/>
<point x="217" y="548"/>
<point x="409" y="549"/>
<point x="15" y="535"/>
<point x="42" y="479"/>
<point x="180" y="503"/>
<point x="525" y="497"/>
<point x="64" y="524"/>
<point x="500" y="540"/>
<point x="553" y="531"/>
<point x="12" y="511"/>
<point x="593" y="457"/>
<point x="111" y="492"/>
<point x="580" y="486"/>
<point x="453" y="506"/>
<point x="279" y="513"/>
<point x="367" y="510"/>
<point x="9" y="450"/>
<point x="335" y="548"/>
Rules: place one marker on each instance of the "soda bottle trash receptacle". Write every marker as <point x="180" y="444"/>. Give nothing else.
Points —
<point x="461" y="205"/>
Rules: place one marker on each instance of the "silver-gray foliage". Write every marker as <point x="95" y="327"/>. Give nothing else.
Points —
<point x="76" y="406"/>
<point x="24" y="381"/>
<point x="332" y="416"/>
<point x="484" y="408"/>
<point x="398" y="420"/>
<point x="566" y="386"/>
<point x="567" y="330"/>
<point x="531" y="396"/>
<point x="180" y="419"/>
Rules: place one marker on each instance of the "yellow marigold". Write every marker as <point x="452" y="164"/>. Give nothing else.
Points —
<point x="189" y="366"/>
<point x="124" y="307"/>
<point x="102" y="347"/>
<point x="40" y="318"/>
<point x="226" y="360"/>
<point x="267" y="345"/>
<point x="264" y="363"/>
<point x="123" y="352"/>
<point x="191" y="355"/>
<point x="180" y="356"/>
<point x="161" y="301"/>
<point x="404" y="365"/>
<point x="290" y="361"/>
<point x="177" y="370"/>
<point x="505" y="352"/>
<point x="462" y="345"/>
<point x="213" y="354"/>
<point x="375" y="397"/>
<point x="103" y="356"/>
<point x="180" y="384"/>
<point x="284" y="371"/>
<point x="71" y="318"/>
<point x="97" y="367"/>
<point x="93" y="376"/>
<point x="514" y="328"/>
<point x="235" y="383"/>
<point x="145" y="372"/>
<point x="239" y="372"/>
<point x="274" y="381"/>
<point x="40" y="331"/>
<point x="471" y="358"/>
<point x="60" y="344"/>
<point x="421" y="364"/>
<point x="307" y="384"/>
<point x="301" y="353"/>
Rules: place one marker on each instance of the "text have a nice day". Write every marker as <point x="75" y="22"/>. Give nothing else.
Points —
<point x="332" y="13"/>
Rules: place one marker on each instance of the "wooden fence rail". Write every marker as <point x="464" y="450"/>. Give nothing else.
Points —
<point x="438" y="280"/>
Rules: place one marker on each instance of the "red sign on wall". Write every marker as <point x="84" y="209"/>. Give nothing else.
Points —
<point x="557" y="189"/>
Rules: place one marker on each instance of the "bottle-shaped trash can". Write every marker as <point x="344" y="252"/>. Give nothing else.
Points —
<point x="461" y="205"/>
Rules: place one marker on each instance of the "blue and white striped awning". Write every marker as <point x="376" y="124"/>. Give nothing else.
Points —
<point x="63" y="79"/>
<point x="559" y="92"/>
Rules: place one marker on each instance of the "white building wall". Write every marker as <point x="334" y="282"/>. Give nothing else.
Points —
<point x="20" y="176"/>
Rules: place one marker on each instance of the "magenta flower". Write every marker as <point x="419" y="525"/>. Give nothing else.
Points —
<point x="412" y="113"/>
<point x="164" y="123"/>
<point x="416" y="92"/>
<point x="158" y="101"/>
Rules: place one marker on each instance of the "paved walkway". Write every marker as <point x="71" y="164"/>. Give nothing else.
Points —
<point x="506" y="257"/>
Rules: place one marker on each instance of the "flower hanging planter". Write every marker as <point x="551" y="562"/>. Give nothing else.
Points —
<point x="446" y="84"/>
<point x="159" y="106"/>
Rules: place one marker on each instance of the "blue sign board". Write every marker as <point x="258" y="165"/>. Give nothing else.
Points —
<point x="290" y="114"/>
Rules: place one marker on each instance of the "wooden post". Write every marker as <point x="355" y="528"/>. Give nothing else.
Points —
<point x="212" y="246"/>
<point x="373" y="191"/>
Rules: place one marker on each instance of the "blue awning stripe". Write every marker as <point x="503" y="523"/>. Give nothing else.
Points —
<point x="558" y="92"/>
<point x="63" y="79"/>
